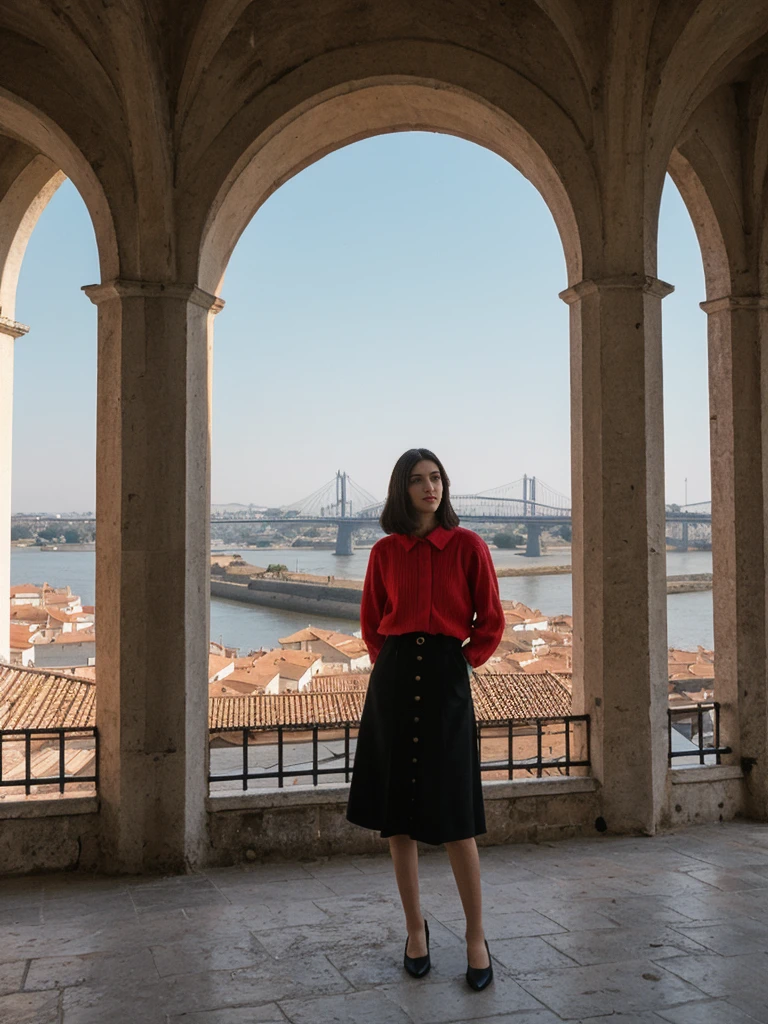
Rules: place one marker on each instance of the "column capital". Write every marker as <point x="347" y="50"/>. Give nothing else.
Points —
<point x="12" y="328"/>
<point x="731" y="302"/>
<point x="622" y="282"/>
<point x="124" y="289"/>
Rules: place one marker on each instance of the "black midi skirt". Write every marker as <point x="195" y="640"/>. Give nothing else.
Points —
<point x="417" y="769"/>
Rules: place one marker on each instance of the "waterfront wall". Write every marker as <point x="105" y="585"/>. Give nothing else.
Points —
<point x="342" y="602"/>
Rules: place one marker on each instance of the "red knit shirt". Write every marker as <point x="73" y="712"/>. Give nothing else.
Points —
<point x="435" y="584"/>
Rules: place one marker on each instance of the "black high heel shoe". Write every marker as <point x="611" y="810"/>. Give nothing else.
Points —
<point x="479" y="977"/>
<point x="417" y="966"/>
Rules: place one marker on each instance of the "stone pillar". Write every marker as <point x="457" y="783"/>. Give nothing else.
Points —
<point x="619" y="570"/>
<point x="344" y="539"/>
<point x="738" y="441"/>
<point x="533" y="540"/>
<point x="152" y="571"/>
<point x="9" y="332"/>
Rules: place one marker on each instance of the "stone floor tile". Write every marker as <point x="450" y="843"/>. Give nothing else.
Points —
<point x="376" y="864"/>
<point x="30" y="1008"/>
<point x="207" y="952"/>
<point x="292" y="943"/>
<point x="267" y="1013"/>
<point x="642" y="943"/>
<point x="636" y="911"/>
<point x="257" y="874"/>
<point x="22" y="914"/>
<point x="630" y="986"/>
<point x="576" y="915"/>
<point x="741" y="980"/>
<point x="527" y="1017"/>
<point x="623" y="1018"/>
<point x="662" y="883"/>
<point x="528" y="955"/>
<point x="322" y="867"/>
<point x="55" y="972"/>
<point x="716" y="906"/>
<point x="710" y="1012"/>
<point x="732" y="881"/>
<point x="11" y="976"/>
<point x="151" y="900"/>
<point x="508" y="925"/>
<point x="348" y="1008"/>
<point x="75" y="907"/>
<point x="454" y="1000"/>
<point x="283" y="892"/>
<point x="544" y="889"/>
<point x="361" y="907"/>
<point x="269" y="981"/>
<point x="729" y="938"/>
<point x="19" y="942"/>
<point x="112" y="988"/>
<point x="381" y="883"/>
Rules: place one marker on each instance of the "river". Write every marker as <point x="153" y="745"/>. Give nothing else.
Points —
<point x="249" y="626"/>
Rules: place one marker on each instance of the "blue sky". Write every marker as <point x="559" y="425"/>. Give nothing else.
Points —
<point x="401" y="292"/>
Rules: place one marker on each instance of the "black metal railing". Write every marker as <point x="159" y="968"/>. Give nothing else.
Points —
<point x="567" y="736"/>
<point x="574" y="752"/>
<point x="699" y="725"/>
<point x="39" y="757"/>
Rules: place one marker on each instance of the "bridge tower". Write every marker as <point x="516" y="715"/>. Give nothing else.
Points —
<point x="533" y="532"/>
<point x="345" y="530"/>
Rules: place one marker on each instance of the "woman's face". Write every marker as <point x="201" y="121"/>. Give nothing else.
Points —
<point x="425" y="486"/>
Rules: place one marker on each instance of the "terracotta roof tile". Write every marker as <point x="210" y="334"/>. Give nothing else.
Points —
<point x="28" y="613"/>
<point x="31" y="699"/>
<point x="77" y="636"/>
<point x="21" y="637"/>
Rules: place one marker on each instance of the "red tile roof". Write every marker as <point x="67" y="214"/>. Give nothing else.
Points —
<point x="30" y="699"/>
<point x="21" y="637"/>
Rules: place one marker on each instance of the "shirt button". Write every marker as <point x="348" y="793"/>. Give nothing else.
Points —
<point x="415" y="739"/>
<point x="417" y="697"/>
<point x="414" y="759"/>
<point x="415" y="719"/>
<point x="413" y="780"/>
<point x="419" y="657"/>
<point x="419" y="639"/>
<point x="417" y="678"/>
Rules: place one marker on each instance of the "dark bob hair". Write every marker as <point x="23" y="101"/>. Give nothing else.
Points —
<point x="398" y="514"/>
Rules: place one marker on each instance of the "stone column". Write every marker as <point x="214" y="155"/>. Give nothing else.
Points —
<point x="9" y="332"/>
<point x="738" y="442"/>
<point x="152" y="570"/>
<point x="619" y="571"/>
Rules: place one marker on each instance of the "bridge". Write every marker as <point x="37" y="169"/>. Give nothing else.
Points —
<point x="527" y="502"/>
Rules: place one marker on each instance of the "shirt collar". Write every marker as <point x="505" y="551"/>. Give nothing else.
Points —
<point x="439" y="537"/>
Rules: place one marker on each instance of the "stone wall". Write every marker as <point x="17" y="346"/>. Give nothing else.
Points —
<point x="308" y="822"/>
<point x="49" y="835"/>
<point x="296" y="597"/>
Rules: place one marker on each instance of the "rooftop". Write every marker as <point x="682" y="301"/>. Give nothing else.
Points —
<point x="664" y="930"/>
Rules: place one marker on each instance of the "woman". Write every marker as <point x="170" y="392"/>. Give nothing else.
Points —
<point x="416" y="774"/>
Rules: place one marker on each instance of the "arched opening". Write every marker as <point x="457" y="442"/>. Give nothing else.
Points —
<point x="687" y="453"/>
<point x="42" y="269"/>
<point x="271" y="265"/>
<point x="720" y="445"/>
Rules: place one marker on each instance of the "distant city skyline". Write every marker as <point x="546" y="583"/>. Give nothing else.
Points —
<point x="401" y="292"/>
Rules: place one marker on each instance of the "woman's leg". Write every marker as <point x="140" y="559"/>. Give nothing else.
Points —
<point x="465" y="863"/>
<point x="405" y="857"/>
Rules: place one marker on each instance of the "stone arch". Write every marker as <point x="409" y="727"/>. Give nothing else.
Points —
<point x="707" y="224"/>
<point x="20" y="208"/>
<point x="53" y="157"/>
<point x="286" y="133"/>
